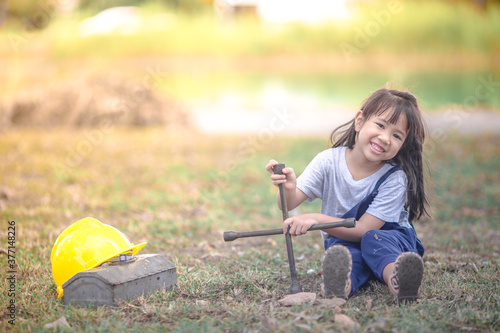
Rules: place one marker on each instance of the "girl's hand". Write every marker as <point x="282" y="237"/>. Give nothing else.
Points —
<point x="288" y="178"/>
<point x="299" y="224"/>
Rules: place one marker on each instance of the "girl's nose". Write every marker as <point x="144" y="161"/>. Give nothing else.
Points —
<point x="384" y="137"/>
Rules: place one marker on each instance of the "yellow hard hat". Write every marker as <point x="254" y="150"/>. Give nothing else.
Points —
<point x="84" y="245"/>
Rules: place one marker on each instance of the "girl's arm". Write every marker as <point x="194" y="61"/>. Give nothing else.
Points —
<point x="294" y="196"/>
<point x="301" y="223"/>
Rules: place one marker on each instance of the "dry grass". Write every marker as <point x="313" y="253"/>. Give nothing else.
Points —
<point x="180" y="190"/>
<point x="91" y="101"/>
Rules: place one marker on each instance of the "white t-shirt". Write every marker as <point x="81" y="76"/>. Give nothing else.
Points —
<point x="328" y="178"/>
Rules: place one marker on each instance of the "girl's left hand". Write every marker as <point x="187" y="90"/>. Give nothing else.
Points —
<point x="299" y="224"/>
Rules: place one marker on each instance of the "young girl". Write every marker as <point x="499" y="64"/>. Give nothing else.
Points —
<point x="374" y="173"/>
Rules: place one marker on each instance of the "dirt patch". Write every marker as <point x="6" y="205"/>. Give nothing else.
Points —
<point x="92" y="101"/>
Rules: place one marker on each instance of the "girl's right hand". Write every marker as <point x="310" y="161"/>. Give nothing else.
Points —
<point x="288" y="178"/>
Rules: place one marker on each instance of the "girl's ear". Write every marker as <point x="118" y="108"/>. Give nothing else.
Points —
<point x="358" y="120"/>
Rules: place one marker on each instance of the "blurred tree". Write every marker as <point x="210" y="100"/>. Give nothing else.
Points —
<point x="3" y="12"/>
<point x="33" y="14"/>
<point x="98" y="5"/>
<point x="36" y="14"/>
<point x="187" y="6"/>
<point x="481" y="4"/>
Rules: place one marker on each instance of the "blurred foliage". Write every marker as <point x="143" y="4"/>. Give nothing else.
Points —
<point x="419" y="28"/>
<point x="186" y="6"/>
<point x="34" y="14"/>
<point x="37" y="14"/>
<point x="412" y="48"/>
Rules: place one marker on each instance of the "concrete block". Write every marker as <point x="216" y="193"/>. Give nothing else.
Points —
<point x="107" y="285"/>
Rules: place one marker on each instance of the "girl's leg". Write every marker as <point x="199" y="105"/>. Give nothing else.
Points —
<point x="393" y="257"/>
<point x="381" y="248"/>
<point x="360" y="272"/>
<point x="336" y="268"/>
<point x="406" y="277"/>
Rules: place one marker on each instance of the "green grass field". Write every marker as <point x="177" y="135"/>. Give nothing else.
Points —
<point x="180" y="190"/>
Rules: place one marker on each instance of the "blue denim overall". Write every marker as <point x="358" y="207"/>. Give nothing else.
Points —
<point x="377" y="247"/>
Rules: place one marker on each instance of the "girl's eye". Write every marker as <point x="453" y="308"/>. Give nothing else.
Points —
<point x="397" y="136"/>
<point x="380" y="125"/>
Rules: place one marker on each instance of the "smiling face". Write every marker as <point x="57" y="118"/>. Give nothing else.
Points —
<point x="378" y="139"/>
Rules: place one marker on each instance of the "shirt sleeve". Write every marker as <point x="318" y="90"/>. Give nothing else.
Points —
<point x="391" y="198"/>
<point x="312" y="180"/>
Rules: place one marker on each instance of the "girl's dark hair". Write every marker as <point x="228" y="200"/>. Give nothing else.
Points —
<point x="409" y="157"/>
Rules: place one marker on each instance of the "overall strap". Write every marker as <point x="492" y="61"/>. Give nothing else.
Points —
<point x="383" y="179"/>
<point x="358" y="210"/>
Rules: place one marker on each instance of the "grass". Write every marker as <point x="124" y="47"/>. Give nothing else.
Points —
<point x="179" y="191"/>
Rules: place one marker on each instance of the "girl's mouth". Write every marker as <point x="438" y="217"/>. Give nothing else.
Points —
<point x="376" y="148"/>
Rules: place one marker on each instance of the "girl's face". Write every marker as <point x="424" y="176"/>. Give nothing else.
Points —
<point x="378" y="139"/>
